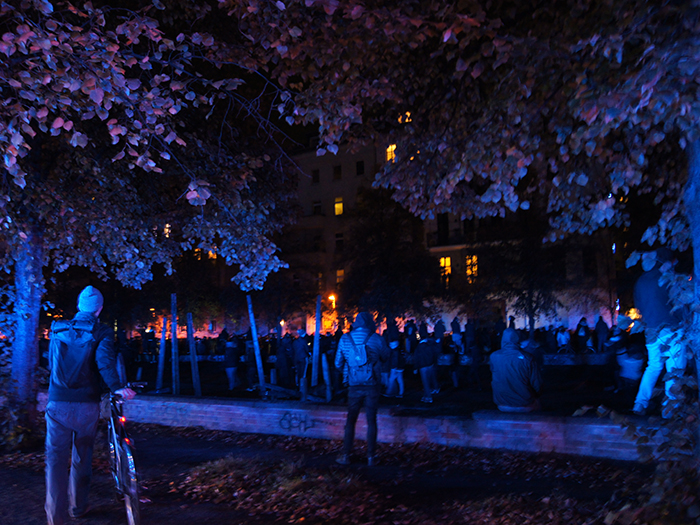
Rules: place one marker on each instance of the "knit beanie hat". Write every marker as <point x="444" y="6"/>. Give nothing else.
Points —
<point x="90" y="300"/>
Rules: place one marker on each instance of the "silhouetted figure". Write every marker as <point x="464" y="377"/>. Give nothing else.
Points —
<point x="498" y="330"/>
<point x="283" y="365"/>
<point x="231" y="362"/>
<point x="601" y="333"/>
<point x="517" y="379"/>
<point x="300" y="351"/>
<point x="583" y="336"/>
<point x="411" y="336"/>
<point x="396" y="362"/>
<point x="361" y="351"/>
<point x="425" y="359"/>
<point x="563" y="340"/>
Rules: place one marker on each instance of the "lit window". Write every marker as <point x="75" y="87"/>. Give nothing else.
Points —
<point x="198" y="254"/>
<point x="391" y="153"/>
<point x="406" y="118"/>
<point x="339" y="276"/>
<point x="167" y="230"/>
<point x="446" y="269"/>
<point x="338" y="205"/>
<point x="472" y="268"/>
<point x="211" y="255"/>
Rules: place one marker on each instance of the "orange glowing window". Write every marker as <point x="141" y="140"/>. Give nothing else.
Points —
<point x="472" y="268"/>
<point x="391" y="153"/>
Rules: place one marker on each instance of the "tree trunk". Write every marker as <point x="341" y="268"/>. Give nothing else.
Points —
<point x="691" y="199"/>
<point x="173" y="340"/>
<point x="29" y="284"/>
<point x="256" y="346"/>
<point x="193" y="357"/>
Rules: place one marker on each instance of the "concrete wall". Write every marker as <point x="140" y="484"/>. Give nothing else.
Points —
<point x="586" y="436"/>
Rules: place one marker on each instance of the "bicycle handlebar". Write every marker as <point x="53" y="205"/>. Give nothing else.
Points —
<point x="134" y="385"/>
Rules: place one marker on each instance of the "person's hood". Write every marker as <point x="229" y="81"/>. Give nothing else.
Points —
<point x="364" y="320"/>
<point x="510" y="337"/>
<point x="423" y="331"/>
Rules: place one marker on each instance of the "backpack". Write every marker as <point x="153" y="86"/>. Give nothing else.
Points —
<point x="74" y="357"/>
<point x="360" y="369"/>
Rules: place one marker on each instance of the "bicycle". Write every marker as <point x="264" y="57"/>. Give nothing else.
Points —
<point x="121" y="456"/>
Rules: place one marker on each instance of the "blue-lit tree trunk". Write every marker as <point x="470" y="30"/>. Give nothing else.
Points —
<point x="691" y="198"/>
<point x="29" y="283"/>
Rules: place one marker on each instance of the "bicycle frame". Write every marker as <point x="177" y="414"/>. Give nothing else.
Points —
<point x="122" y="462"/>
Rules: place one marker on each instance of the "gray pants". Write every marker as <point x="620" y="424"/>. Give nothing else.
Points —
<point x="70" y="435"/>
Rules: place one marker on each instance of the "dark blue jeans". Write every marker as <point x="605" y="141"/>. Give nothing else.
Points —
<point x="70" y="436"/>
<point x="359" y="396"/>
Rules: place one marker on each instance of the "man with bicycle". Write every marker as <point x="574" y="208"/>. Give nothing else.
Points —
<point x="81" y="355"/>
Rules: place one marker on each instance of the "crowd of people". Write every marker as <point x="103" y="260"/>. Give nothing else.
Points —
<point x="81" y="356"/>
<point x="442" y="356"/>
<point x="453" y="355"/>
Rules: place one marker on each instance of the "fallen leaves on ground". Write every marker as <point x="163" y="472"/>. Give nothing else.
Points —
<point x="295" y="491"/>
<point x="419" y="483"/>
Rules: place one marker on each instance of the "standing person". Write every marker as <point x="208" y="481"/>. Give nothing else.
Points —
<point x="397" y="363"/>
<point x="411" y="336"/>
<point x="81" y="354"/>
<point x="583" y="336"/>
<point x="457" y="334"/>
<point x="498" y="330"/>
<point x="424" y="361"/>
<point x="300" y="352"/>
<point x="362" y="351"/>
<point x="391" y="366"/>
<point x="663" y="331"/>
<point x="283" y="363"/>
<point x="601" y="332"/>
<point x="516" y="376"/>
<point x="231" y="360"/>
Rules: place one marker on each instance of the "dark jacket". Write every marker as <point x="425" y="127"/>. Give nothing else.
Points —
<point x="363" y="329"/>
<point x="516" y="376"/>
<point x="653" y="302"/>
<point x="300" y="349"/>
<point x="76" y="376"/>
<point x="426" y="354"/>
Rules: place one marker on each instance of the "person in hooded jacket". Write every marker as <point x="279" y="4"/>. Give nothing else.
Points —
<point x="73" y="409"/>
<point x="663" y="328"/>
<point x="425" y="360"/>
<point x="364" y="381"/>
<point x="516" y="376"/>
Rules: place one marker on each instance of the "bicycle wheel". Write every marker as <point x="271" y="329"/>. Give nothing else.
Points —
<point x="130" y="485"/>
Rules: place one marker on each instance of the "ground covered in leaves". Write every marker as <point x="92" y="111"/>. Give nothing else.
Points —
<point x="213" y="476"/>
<point x="417" y="483"/>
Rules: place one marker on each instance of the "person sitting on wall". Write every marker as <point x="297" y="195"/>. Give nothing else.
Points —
<point x="517" y="379"/>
